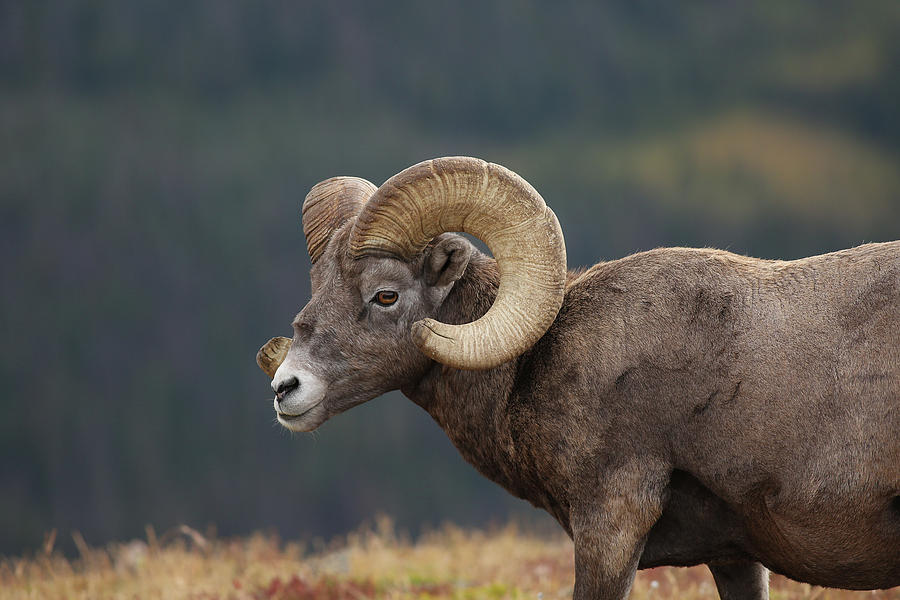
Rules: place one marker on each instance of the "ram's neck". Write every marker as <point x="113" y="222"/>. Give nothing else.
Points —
<point x="470" y="406"/>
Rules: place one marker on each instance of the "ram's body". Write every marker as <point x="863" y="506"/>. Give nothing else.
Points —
<point x="763" y="396"/>
<point x="674" y="407"/>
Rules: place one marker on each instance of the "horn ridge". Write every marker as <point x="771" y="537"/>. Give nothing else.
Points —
<point x="328" y="205"/>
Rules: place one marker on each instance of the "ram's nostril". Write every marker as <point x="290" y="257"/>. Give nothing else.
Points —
<point x="285" y="386"/>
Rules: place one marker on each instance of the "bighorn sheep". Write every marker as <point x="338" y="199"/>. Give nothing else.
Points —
<point x="674" y="407"/>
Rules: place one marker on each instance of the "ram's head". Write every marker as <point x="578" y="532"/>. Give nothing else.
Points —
<point x="383" y="264"/>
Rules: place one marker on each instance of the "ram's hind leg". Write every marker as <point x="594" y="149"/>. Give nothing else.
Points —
<point x="741" y="580"/>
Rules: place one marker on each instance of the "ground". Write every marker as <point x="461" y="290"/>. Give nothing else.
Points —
<point x="374" y="563"/>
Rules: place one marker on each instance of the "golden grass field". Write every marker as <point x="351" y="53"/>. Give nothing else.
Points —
<point x="374" y="563"/>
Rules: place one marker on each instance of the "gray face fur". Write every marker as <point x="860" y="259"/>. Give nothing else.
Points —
<point x="347" y="346"/>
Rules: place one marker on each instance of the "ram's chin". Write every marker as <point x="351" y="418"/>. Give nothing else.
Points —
<point x="307" y="421"/>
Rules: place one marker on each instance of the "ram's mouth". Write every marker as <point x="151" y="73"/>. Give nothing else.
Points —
<point x="289" y="418"/>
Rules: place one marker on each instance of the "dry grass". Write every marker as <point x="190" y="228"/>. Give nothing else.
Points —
<point x="450" y="563"/>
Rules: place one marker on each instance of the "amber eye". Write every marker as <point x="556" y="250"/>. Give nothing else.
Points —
<point x="386" y="297"/>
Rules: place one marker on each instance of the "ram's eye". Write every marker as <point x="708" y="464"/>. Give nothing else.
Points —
<point x="386" y="297"/>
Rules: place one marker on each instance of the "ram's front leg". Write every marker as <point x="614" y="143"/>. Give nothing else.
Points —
<point x="604" y="572"/>
<point x="609" y="530"/>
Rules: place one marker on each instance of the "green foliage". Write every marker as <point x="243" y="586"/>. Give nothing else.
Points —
<point x="155" y="155"/>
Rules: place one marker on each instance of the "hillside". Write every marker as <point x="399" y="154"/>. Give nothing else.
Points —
<point x="155" y="155"/>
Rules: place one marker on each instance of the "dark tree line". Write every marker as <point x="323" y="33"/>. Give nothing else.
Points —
<point x="155" y="155"/>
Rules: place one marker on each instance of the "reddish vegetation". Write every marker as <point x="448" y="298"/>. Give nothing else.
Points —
<point x="327" y="588"/>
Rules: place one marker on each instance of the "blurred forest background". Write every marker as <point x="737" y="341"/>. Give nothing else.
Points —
<point x="153" y="157"/>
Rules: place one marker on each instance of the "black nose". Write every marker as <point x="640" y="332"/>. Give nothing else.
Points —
<point x="285" y="387"/>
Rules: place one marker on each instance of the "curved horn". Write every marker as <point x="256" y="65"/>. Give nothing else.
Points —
<point x="272" y="354"/>
<point x="502" y="209"/>
<point x="327" y="205"/>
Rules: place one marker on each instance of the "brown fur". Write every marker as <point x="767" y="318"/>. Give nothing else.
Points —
<point x="687" y="406"/>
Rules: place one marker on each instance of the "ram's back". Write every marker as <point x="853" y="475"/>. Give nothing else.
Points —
<point x="720" y="355"/>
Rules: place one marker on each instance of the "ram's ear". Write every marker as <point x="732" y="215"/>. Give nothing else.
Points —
<point x="446" y="260"/>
